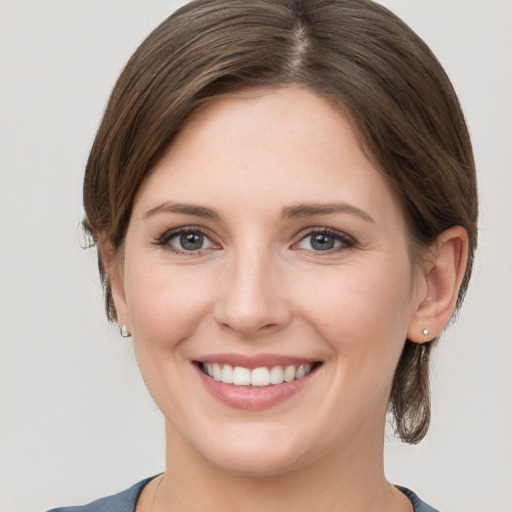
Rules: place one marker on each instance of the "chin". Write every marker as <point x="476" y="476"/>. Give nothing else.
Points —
<point x="254" y="461"/>
<point x="258" y="449"/>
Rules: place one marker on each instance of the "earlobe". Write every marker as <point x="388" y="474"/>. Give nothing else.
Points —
<point x="112" y="266"/>
<point x="443" y="277"/>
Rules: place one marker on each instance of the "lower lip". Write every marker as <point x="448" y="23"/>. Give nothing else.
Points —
<point x="253" y="398"/>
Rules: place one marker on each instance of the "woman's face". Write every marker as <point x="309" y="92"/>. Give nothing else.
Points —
<point x="265" y="246"/>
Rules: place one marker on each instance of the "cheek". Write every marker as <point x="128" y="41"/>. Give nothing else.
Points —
<point x="363" y="313"/>
<point x="363" y="317"/>
<point x="165" y="304"/>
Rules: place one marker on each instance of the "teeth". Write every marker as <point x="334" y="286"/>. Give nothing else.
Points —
<point x="217" y="372"/>
<point x="227" y="374"/>
<point x="301" y="371"/>
<point x="289" y="373"/>
<point x="260" y="377"/>
<point x="276" y="375"/>
<point x="240" y="376"/>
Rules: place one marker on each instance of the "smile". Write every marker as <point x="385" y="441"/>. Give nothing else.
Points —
<point x="258" y="377"/>
<point x="258" y="382"/>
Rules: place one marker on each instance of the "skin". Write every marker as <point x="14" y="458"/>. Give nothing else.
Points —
<point x="257" y="286"/>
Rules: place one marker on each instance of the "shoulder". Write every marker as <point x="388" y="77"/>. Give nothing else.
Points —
<point x="122" y="502"/>
<point x="419" y="506"/>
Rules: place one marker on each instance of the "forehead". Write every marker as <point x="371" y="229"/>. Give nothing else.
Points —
<point x="284" y="145"/>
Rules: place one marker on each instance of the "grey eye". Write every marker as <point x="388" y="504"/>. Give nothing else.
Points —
<point x="188" y="241"/>
<point x="322" y="242"/>
<point x="191" y="241"/>
<point x="319" y="242"/>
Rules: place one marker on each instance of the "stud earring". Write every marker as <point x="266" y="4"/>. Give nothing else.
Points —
<point x="425" y="333"/>
<point x="125" y="333"/>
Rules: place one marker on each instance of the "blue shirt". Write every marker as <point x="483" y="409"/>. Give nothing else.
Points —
<point x="127" y="500"/>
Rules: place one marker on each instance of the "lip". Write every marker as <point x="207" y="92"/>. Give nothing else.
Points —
<point x="248" y="397"/>
<point x="255" y="361"/>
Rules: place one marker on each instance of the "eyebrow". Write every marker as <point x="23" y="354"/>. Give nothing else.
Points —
<point x="311" y="209"/>
<point x="298" y="210"/>
<point x="187" y="209"/>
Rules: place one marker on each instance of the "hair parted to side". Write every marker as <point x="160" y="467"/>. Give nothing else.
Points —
<point x="356" y="52"/>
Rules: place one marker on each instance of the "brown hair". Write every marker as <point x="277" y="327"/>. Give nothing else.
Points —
<point x="388" y="81"/>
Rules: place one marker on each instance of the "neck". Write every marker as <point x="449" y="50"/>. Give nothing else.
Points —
<point x="348" y="480"/>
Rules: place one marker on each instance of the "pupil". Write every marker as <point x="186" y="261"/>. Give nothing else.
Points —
<point x="322" y="242"/>
<point x="191" y="241"/>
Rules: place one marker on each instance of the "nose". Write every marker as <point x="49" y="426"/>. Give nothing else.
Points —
<point x="252" y="296"/>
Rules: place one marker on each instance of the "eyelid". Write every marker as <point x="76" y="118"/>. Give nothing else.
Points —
<point x="346" y="240"/>
<point x="164" y="239"/>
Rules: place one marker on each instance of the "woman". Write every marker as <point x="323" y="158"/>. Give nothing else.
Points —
<point x="283" y="197"/>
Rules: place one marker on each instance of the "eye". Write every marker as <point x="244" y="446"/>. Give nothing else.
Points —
<point x="188" y="240"/>
<point x="324" y="241"/>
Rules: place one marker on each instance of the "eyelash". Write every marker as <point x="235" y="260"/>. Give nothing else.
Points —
<point x="165" y="239"/>
<point x="345" y="241"/>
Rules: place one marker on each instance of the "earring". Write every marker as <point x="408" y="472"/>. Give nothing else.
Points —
<point x="125" y="333"/>
<point x="425" y="333"/>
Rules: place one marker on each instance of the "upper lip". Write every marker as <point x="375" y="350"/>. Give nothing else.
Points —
<point x="255" y="361"/>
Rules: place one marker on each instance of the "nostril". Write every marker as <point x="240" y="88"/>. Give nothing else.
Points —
<point x="268" y="326"/>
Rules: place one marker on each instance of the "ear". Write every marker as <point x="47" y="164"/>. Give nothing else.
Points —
<point x="112" y="263"/>
<point x="443" y="274"/>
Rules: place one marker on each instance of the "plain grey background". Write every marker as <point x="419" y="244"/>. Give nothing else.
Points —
<point x="75" y="421"/>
